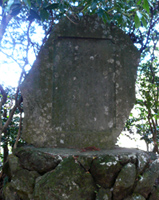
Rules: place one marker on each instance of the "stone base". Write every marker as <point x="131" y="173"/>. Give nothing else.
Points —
<point x="85" y="174"/>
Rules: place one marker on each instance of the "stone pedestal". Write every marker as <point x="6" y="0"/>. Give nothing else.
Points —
<point x="69" y="174"/>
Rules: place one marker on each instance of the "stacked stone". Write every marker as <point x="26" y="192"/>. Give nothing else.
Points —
<point x="45" y="174"/>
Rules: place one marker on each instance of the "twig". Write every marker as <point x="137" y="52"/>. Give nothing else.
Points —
<point x="71" y="20"/>
<point x="152" y="24"/>
<point x="2" y="102"/>
<point x="19" y="131"/>
<point x="4" y="96"/>
<point x="17" y="103"/>
<point x="9" y="56"/>
<point x="29" y="41"/>
<point x="4" y="23"/>
<point x="50" y="28"/>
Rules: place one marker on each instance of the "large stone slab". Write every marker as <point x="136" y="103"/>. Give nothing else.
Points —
<point x="81" y="88"/>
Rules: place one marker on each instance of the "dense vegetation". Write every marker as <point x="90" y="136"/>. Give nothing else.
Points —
<point x="21" y="21"/>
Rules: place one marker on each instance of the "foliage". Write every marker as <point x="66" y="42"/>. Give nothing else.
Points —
<point x="127" y="14"/>
<point x="10" y="125"/>
<point x="147" y="102"/>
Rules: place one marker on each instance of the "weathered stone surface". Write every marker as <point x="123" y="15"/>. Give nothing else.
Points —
<point x="155" y="193"/>
<point x="128" y="157"/>
<point x="23" y="183"/>
<point x="11" y="166"/>
<point x="67" y="181"/>
<point x="34" y="160"/>
<point x="104" y="194"/>
<point x="143" y="161"/>
<point x="85" y="161"/>
<point x="136" y="197"/>
<point x="10" y="193"/>
<point x="104" y="169"/>
<point x="81" y="88"/>
<point x="147" y="180"/>
<point x="124" y="182"/>
<point x="76" y="176"/>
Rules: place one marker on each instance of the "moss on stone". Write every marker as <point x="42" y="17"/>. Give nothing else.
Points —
<point x="67" y="181"/>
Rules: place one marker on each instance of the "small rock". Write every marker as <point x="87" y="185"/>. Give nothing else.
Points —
<point x="136" y="197"/>
<point x="105" y="169"/>
<point x="23" y="183"/>
<point x="35" y="160"/>
<point x="147" y="180"/>
<point x="124" y="181"/>
<point x="155" y="193"/>
<point x="104" y="194"/>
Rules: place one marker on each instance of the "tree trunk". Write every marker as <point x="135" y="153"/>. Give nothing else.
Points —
<point x="147" y="146"/>
<point x="5" y="152"/>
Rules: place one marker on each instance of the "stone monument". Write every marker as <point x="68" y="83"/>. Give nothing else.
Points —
<point x="81" y="88"/>
<point x="79" y="94"/>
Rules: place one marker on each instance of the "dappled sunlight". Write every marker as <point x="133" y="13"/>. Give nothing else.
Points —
<point x="135" y="142"/>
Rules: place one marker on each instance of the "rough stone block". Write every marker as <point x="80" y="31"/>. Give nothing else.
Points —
<point x="80" y="90"/>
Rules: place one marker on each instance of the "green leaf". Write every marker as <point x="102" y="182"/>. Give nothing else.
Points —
<point x="144" y="22"/>
<point x="9" y="4"/>
<point x="33" y="15"/>
<point x="132" y="9"/>
<point x="156" y="116"/>
<point x="146" y="6"/>
<point x="44" y="15"/>
<point x="150" y="3"/>
<point x="139" y="14"/>
<point x="139" y="2"/>
<point x="106" y="17"/>
<point x="15" y="9"/>
<point x="100" y="12"/>
<point x="27" y="3"/>
<point x="93" y="6"/>
<point x="4" y="1"/>
<point x="38" y="2"/>
<point x="120" y="19"/>
<point x="137" y="21"/>
<point x="52" y="6"/>
<point x="131" y="115"/>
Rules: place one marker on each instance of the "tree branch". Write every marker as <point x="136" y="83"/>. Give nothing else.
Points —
<point x="152" y="24"/>
<point x="19" y="131"/>
<point x="4" y="97"/>
<point x="4" y="23"/>
<point x="11" y="114"/>
<point x="2" y="102"/>
<point x="9" y="56"/>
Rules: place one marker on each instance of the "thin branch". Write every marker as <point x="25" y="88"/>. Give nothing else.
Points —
<point x="70" y="20"/>
<point x="150" y="123"/>
<point x="11" y="115"/>
<point x="19" y="131"/>
<point x="4" y="23"/>
<point x="153" y="129"/>
<point x="141" y="36"/>
<point x="4" y="97"/>
<point x="151" y="64"/>
<point x="50" y="28"/>
<point x="17" y="103"/>
<point x="9" y="56"/>
<point x="2" y="102"/>
<point x="29" y="41"/>
<point x="152" y="24"/>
